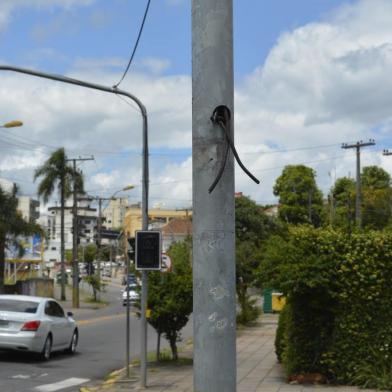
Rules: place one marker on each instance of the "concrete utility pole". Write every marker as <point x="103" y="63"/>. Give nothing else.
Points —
<point x="75" y="261"/>
<point x="358" y="146"/>
<point x="214" y="300"/>
<point x="99" y="235"/>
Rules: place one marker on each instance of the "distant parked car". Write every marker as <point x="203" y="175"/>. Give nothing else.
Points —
<point x="133" y="294"/>
<point x="36" y="324"/>
<point x="131" y="279"/>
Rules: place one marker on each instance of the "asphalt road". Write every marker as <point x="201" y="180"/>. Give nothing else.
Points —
<point x="102" y="349"/>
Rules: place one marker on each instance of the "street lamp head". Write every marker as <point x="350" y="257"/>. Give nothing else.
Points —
<point x="128" y="187"/>
<point x="13" y="124"/>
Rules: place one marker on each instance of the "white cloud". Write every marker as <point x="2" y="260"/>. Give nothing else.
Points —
<point x="322" y="84"/>
<point x="95" y="63"/>
<point x="156" y="65"/>
<point x="8" y="6"/>
<point x="105" y="180"/>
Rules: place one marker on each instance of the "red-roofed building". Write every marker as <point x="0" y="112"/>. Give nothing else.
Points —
<point x="176" y="230"/>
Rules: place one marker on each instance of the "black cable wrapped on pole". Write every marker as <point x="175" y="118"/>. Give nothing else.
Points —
<point x="222" y="117"/>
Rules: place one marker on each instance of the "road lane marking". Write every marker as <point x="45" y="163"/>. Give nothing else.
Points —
<point x="70" y="382"/>
<point x="103" y="318"/>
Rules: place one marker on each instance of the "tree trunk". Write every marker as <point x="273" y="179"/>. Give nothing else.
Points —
<point x="2" y="263"/>
<point x="62" y="239"/>
<point x="159" y="346"/>
<point x="173" y="346"/>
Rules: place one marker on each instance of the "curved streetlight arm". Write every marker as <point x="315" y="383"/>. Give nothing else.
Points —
<point x="112" y="90"/>
<point x="115" y="90"/>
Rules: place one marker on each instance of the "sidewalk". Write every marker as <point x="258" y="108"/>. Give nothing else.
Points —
<point x="257" y="368"/>
<point x="86" y="309"/>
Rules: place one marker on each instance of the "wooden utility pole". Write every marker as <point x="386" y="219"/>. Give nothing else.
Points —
<point x="358" y="189"/>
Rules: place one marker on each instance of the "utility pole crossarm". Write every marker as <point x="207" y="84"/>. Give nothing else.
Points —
<point x="387" y="152"/>
<point x="359" y="144"/>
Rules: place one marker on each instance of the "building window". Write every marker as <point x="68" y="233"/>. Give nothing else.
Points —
<point x="87" y="231"/>
<point x="53" y="248"/>
<point x="87" y="222"/>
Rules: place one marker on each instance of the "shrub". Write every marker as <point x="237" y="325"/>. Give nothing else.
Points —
<point x="338" y="303"/>
<point x="280" y="337"/>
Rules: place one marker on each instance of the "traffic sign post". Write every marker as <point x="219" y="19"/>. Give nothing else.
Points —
<point x="148" y="250"/>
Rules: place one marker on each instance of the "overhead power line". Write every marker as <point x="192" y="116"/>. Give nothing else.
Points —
<point x="136" y="44"/>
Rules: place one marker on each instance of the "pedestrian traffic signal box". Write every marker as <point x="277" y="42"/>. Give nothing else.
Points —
<point x="131" y="248"/>
<point x="148" y="250"/>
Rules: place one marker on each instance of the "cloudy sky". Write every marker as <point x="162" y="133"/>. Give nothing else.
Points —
<point x="310" y="75"/>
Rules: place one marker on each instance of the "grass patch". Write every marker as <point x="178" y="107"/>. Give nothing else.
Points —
<point x="165" y="359"/>
<point x="99" y="303"/>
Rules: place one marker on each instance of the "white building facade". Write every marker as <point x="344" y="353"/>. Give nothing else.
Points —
<point x="29" y="208"/>
<point x="87" y="220"/>
<point x="114" y="213"/>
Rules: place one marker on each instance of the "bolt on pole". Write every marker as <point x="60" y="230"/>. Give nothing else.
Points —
<point x="358" y="187"/>
<point x="214" y="300"/>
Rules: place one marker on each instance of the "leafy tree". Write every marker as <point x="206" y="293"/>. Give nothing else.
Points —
<point x="86" y="253"/>
<point x="96" y="285"/>
<point x="343" y="194"/>
<point x="12" y="225"/>
<point x="57" y="173"/>
<point x="248" y="259"/>
<point x="89" y="253"/>
<point x="300" y="200"/>
<point x="170" y="296"/>
<point x="376" y="208"/>
<point x="252" y="228"/>
<point x="374" y="177"/>
<point x="376" y="199"/>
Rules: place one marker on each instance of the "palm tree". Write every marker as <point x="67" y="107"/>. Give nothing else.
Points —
<point x="56" y="173"/>
<point x="12" y="225"/>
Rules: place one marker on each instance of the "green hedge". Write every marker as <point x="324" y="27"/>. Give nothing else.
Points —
<point x="338" y="319"/>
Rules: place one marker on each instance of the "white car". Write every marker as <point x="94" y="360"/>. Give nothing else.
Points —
<point x="133" y="294"/>
<point x="36" y="324"/>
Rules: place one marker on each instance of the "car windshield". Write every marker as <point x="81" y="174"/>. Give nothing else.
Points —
<point x="132" y="287"/>
<point x="15" y="305"/>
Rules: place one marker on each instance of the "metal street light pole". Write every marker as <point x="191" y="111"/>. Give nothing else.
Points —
<point x="99" y="226"/>
<point x="145" y="171"/>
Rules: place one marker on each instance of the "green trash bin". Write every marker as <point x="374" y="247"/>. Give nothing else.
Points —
<point x="267" y="304"/>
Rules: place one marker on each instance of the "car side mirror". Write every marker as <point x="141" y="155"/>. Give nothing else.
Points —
<point x="70" y="314"/>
